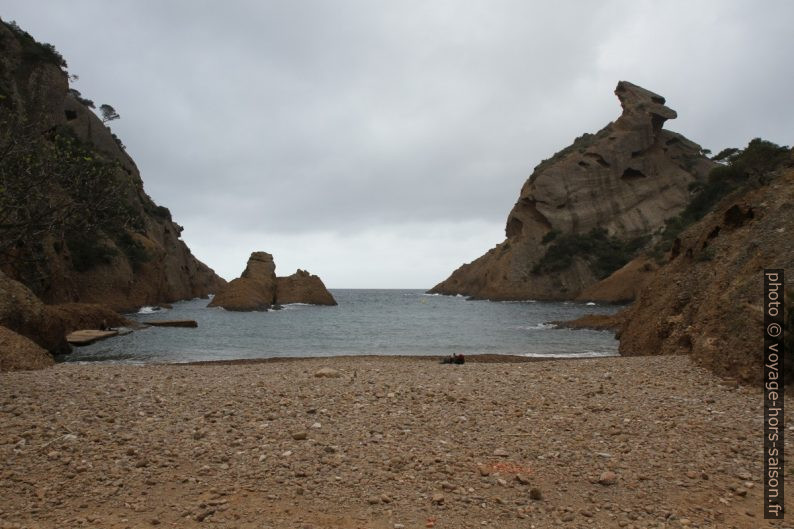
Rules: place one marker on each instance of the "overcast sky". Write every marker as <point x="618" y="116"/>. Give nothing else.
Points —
<point x="383" y="143"/>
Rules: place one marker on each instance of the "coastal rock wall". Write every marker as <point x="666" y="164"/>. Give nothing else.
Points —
<point x="707" y="301"/>
<point x="626" y="179"/>
<point x="23" y="313"/>
<point x="105" y="241"/>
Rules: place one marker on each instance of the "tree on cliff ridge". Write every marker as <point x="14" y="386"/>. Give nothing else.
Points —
<point x="108" y="113"/>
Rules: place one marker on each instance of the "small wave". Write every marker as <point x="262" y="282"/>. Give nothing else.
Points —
<point x="292" y="306"/>
<point x="430" y="295"/>
<point x="149" y="309"/>
<point x="585" y="354"/>
<point x="540" y="326"/>
<point x="590" y="304"/>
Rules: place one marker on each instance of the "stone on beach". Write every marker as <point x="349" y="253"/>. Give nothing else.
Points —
<point x="327" y="372"/>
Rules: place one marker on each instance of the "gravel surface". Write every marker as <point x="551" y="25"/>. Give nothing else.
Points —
<point x="381" y="442"/>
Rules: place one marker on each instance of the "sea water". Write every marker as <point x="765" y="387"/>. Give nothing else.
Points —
<point x="366" y="322"/>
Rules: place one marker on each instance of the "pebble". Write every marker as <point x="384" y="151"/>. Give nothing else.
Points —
<point x="408" y="460"/>
<point x="608" y="478"/>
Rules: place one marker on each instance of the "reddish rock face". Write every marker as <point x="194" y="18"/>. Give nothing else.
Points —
<point x="20" y="353"/>
<point x="628" y="178"/>
<point x="707" y="301"/>
<point x="302" y="287"/>
<point x="255" y="289"/>
<point x="258" y="288"/>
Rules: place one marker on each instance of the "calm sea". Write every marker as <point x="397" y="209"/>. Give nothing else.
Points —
<point x="366" y="322"/>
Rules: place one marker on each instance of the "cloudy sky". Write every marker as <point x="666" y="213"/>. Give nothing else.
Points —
<point x="382" y="143"/>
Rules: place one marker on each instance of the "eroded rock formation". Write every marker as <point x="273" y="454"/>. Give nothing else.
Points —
<point x="627" y="179"/>
<point x="258" y="288"/>
<point x="302" y="287"/>
<point x="255" y="289"/>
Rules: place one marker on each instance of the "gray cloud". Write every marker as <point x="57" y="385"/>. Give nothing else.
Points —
<point x="340" y="124"/>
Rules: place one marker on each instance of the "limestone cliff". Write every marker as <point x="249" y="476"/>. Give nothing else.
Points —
<point x="75" y="221"/>
<point x="584" y="212"/>
<point x="707" y="300"/>
<point x="258" y="288"/>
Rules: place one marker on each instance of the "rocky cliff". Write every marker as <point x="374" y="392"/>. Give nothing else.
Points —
<point x="707" y="301"/>
<point x="258" y="288"/>
<point x="75" y="221"/>
<point x="586" y="211"/>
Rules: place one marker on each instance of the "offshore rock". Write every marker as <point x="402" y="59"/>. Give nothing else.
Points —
<point x="627" y="179"/>
<point x="302" y="287"/>
<point x="255" y="289"/>
<point x="258" y="288"/>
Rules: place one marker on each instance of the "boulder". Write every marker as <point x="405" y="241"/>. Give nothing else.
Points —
<point x="254" y="290"/>
<point x="302" y="287"/>
<point x="20" y="353"/>
<point x="626" y="179"/>
<point x="24" y="313"/>
<point x="77" y="316"/>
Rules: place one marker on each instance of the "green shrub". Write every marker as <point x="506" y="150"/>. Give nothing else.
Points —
<point x="603" y="253"/>
<point x="87" y="251"/>
<point x="550" y="236"/>
<point x="33" y="50"/>
<point x="136" y="253"/>
<point x="742" y="168"/>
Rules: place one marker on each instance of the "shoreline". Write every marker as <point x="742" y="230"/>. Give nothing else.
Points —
<point x="484" y="358"/>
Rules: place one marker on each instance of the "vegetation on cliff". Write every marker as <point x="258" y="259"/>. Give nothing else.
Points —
<point x="706" y="300"/>
<point x="740" y="169"/>
<point x="75" y="221"/>
<point x="603" y="253"/>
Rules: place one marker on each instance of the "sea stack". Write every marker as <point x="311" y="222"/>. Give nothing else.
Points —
<point x="611" y="188"/>
<point x="259" y="289"/>
<point x="302" y="287"/>
<point x="255" y="289"/>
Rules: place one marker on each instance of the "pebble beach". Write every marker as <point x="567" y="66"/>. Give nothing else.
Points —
<point x="381" y="443"/>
